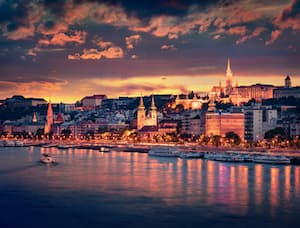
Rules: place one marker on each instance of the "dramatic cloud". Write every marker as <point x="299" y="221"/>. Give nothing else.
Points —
<point x="255" y="33"/>
<point x="41" y="37"/>
<point x="21" y="32"/>
<point x="103" y="44"/>
<point x="238" y="30"/>
<point x="274" y="36"/>
<point x="110" y="53"/>
<point x="289" y="18"/>
<point x="60" y="39"/>
<point x="52" y="28"/>
<point x="131" y="41"/>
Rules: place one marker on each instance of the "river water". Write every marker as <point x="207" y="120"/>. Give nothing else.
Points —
<point x="120" y="189"/>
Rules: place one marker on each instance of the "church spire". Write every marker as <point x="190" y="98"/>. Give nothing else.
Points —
<point x="153" y="107"/>
<point x="49" y="120"/>
<point x="34" y="118"/>
<point x="141" y="105"/>
<point x="228" y="70"/>
<point x="228" y="87"/>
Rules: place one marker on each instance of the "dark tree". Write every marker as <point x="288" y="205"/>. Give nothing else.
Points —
<point x="278" y="131"/>
<point x="233" y="137"/>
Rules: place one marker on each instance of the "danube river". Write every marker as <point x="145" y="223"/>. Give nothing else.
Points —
<point x="120" y="189"/>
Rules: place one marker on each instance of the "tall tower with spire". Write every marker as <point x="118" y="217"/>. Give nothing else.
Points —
<point x="49" y="120"/>
<point x="141" y="114"/>
<point x="229" y="78"/>
<point x="146" y="120"/>
<point x="34" y="118"/>
<point x="153" y="111"/>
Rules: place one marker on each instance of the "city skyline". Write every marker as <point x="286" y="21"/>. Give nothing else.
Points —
<point x="68" y="49"/>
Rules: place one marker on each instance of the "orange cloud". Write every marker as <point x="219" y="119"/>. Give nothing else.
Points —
<point x="274" y="36"/>
<point x="103" y="44"/>
<point x="286" y="19"/>
<point x="21" y="32"/>
<point x="238" y="30"/>
<point x="132" y="40"/>
<point x="59" y="27"/>
<point x="255" y="33"/>
<point x="60" y="39"/>
<point x="110" y="53"/>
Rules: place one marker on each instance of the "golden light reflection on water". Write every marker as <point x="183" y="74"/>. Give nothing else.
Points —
<point x="287" y="183"/>
<point x="274" y="189"/>
<point x="258" y="184"/>
<point x="239" y="188"/>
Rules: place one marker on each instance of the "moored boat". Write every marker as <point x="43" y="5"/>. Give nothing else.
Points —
<point x="104" y="149"/>
<point x="65" y="146"/>
<point x="164" y="151"/>
<point x="49" y="145"/>
<point x="278" y="159"/>
<point x="191" y="154"/>
<point x="226" y="157"/>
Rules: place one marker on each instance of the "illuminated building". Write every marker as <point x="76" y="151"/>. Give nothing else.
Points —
<point x="144" y="120"/>
<point x="92" y="102"/>
<point x="243" y="94"/>
<point x="217" y="91"/>
<point x="287" y="82"/>
<point x="295" y="128"/>
<point x="193" y="103"/>
<point x="258" y="120"/>
<point x="49" y="121"/>
<point x="193" y="122"/>
<point x="59" y="118"/>
<point x="22" y="102"/>
<point x="287" y="90"/>
<point x="219" y="123"/>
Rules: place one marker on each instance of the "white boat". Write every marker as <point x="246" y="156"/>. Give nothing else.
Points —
<point x="65" y="146"/>
<point x="190" y="155"/>
<point x="271" y="159"/>
<point x="19" y="144"/>
<point x="226" y="157"/>
<point x="49" y="145"/>
<point x="104" y="149"/>
<point x="9" y="143"/>
<point x="46" y="159"/>
<point x="164" y="151"/>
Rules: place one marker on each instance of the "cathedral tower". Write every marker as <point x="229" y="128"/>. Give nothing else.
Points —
<point x="153" y="112"/>
<point x="141" y="114"/>
<point x="229" y="76"/>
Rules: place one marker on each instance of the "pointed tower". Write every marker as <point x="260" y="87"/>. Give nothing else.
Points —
<point x="287" y="82"/>
<point x="34" y="118"/>
<point x="141" y="114"/>
<point x="153" y="112"/>
<point x="49" y="120"/>
<point x="229" y="76"/>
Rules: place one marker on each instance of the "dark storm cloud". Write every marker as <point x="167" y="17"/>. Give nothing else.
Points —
<point x="291" y="11"/>
<point x="12" y="11"/>
<point x="148" y="8"/>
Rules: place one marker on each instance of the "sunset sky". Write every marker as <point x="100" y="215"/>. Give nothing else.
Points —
<point x="64" y="49"/>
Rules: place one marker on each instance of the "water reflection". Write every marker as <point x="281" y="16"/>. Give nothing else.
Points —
<point x="233" y="188"/>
